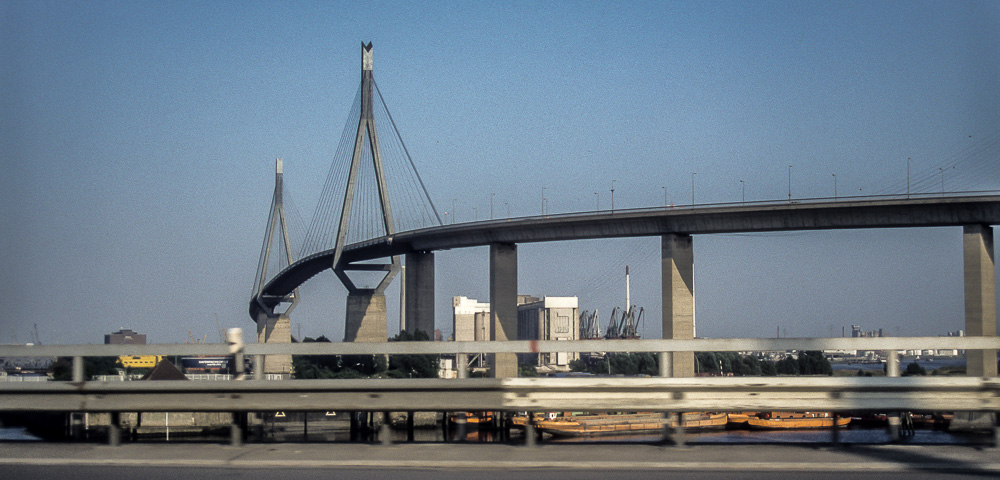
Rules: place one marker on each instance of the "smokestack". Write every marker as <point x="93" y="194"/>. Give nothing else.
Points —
<point x="628" y="291"/>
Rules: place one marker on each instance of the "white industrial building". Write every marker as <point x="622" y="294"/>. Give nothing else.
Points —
<point x="545" y="318"/>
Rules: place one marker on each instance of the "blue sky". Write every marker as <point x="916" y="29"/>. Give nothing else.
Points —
<point x="138" y="143"/>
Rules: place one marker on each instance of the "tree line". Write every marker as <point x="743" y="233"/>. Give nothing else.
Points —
<point x="714" y="363"/>
<point x="367" y="366"/>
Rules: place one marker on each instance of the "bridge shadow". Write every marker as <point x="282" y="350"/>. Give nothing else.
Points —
<point x="925" y="458"/>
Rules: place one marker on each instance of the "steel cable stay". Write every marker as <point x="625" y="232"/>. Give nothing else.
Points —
<point x="971" y="165"/>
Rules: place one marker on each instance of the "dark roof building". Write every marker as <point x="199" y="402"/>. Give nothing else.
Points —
<point x="125" y="336"/>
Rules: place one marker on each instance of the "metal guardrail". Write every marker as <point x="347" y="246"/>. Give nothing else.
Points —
<point x="515" y="394"/>
<point x="519" y="346"/>
<point x="597" y="393"/>
<point x="840" y="199"/>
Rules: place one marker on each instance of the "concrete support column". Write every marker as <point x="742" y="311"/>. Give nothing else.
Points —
<point x="419" y="293"/>
<point x="275" y="329"/>
<point x="678" y="297"/>
<point x="114" y="429"/>
<point x="980" y="297"/>
<point x="503" y="305"/>
<point x="366" y="318"/>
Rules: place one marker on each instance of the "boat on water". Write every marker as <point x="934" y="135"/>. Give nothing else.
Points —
<point x="474" y="418"/>
<point x="795" y="420"/>
<point x="625" y="423"/>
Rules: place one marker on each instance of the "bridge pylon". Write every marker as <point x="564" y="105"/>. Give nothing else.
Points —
<point x="273" y="323"/>
<point x="366" y="311"/>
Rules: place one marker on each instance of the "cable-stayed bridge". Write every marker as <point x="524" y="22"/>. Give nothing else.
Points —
<point x="374" y="209"/>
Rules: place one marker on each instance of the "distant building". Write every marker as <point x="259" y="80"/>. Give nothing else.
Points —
<point x="538" y="318"/>
<point x="548" y="318"/>
<point x="125" y="337"/>
<point x="470" y="320"/>
<point x="856" y="332"/>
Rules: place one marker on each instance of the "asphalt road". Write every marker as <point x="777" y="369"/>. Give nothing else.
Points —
<point x="481" y="462"/>
<point x="326" y="473"/>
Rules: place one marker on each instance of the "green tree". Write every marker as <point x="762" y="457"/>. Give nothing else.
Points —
<point x="526" y="370"/>
<point x="62" y="369"/>
<point x="579" y="365"/>
<point x="411" y="366"/>
<point x="788" y="366"/>
<point x="814" y="363"/>
<point x="914" y="369"/>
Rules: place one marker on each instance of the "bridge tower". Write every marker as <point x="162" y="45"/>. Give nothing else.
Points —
<point x="274" y="325"/>
<point x="366" y="311"/>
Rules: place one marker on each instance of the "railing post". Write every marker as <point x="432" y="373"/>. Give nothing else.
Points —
<point x="835" y="437"/>
<point x="666" y="363"/>
<point x="77" y="368"/>
<point x="384" y="432"/>
<point x="677" y="436"/>
<point x="892" y="370"/>
<point x="530" y="439"/>
<point x="114" y="429"/>
<point x="258" y="367"/>
<point x="461" y="426"/>
<point x="235" y="430"/>
<point x="892" y="364"/>
<point x="665" y="418"/>
<point x="996" y="429"/>
<point x="409" y="426"/>
<point x="462" y="365"/>
<point x="234" y="338"/>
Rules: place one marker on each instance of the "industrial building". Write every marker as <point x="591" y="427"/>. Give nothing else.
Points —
<point x="538" y="318"/>
<point x="129" y="337"/>
<point x="470" y="320"/>
<point x="548" y="318"/>
<point x="125" y="337"/>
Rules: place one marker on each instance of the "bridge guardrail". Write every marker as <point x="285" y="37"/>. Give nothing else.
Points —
<point x="517" y="346"/>
<point x="594" y="393"/>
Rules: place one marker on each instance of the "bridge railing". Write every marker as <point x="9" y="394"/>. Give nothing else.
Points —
<point x="539" y="394"/>
<point x="840" y="199"/>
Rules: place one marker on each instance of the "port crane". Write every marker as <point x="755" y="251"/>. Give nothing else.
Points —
<point x="590" y="325"/>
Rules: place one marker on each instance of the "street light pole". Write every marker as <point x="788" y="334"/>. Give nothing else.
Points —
<point x="612" y="196"/>
<point x="834" y="186"/>
<point x="454" y="213"/>
<point x="597" y="202"/>
<point x="492" y="194"/>
<point x="942" y="178"/>
<point x="664" y="196"/>
<point x="543" y="200"/>
<point x="508" y="208"/>
<point x="789" y="184"/>
<point x="907" y="177"/>
<point x="743" y="186"/>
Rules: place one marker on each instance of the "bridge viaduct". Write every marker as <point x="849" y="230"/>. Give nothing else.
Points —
<point x="675" y="227"/>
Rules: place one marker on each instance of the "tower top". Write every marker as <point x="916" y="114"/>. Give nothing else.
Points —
<point x="366" y="56"/>
<point x="277" y="165"/>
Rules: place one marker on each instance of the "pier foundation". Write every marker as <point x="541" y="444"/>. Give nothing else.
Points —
<point x="503" y="305"/>
<point x="677" y="271"/>
<point x="366" y="318"/>
<point x="419" y="293"/>
<point x="275" y="329"/>
<point x="980" y="297"/>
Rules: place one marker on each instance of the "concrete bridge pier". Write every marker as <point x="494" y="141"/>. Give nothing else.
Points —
<point x="503" y="305"/>
<point x="677" y="271"/>
<point x="366" y="318"/>
<point x="275" y="328"/>
<point x="419" y="281"/>
<point x="980" y="297"/>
